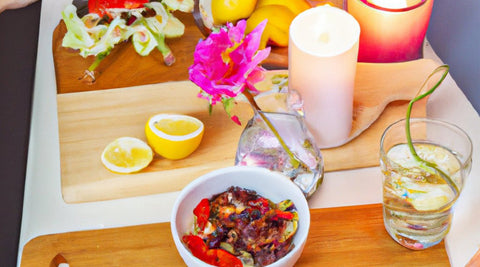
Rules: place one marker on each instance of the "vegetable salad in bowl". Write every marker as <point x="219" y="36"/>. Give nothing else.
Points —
<point x="253" y="230"/>
<point x="240" y="216"/>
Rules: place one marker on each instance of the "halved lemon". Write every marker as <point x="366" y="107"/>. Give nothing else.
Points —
<point x="126" y="155"/>
<point x="174" y="136"/>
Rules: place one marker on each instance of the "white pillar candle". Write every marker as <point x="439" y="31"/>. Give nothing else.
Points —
<point x="322" y="61"/>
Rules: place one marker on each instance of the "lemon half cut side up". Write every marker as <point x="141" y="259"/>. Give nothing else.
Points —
<point x="126" y="155"/>
<point x="174" y="136"/>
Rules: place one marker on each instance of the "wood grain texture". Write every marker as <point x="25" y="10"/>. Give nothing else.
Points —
<point x="378" y="85"/>
<point x="88" y="121"/>
<point x="475" y="260"/>
<point x="347" y="236"/>
<point x="125" y="68"/>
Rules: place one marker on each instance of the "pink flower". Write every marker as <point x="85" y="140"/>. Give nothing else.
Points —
<point x="227" y="63"/>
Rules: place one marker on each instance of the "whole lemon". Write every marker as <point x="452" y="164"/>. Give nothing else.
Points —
<point x="224" y="11"/>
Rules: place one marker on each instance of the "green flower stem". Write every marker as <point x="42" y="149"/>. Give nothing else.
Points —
<point x="426" y="165"/>
<point x="294" y="160"/>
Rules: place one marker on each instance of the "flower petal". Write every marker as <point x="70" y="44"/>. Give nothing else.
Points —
<point x="227" y="62"/>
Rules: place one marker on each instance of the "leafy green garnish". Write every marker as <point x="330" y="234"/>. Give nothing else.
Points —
<point x="429" y="167"/>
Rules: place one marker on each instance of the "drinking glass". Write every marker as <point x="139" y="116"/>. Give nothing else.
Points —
<point x="418" y="199"/>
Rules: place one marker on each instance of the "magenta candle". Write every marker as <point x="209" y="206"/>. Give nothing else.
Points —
<point x="391" y="31"/>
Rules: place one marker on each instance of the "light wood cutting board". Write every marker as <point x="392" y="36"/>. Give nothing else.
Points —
<point x="88" y="121"/>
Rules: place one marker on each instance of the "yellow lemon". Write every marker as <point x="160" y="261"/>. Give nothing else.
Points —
<point x="296" y="6"/>
<point x="174" y="136"/>
<point x="224" y="11"/>
<point x="278" y="24"/>
<point x="126" y="155"/>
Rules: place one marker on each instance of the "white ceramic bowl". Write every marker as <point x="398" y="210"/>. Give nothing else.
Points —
<point x="271" y="185"/>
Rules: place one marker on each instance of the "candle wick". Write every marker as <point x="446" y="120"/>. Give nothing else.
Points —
<point x="324" y="37"/>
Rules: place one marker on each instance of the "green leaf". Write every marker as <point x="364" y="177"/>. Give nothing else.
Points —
<point x="228" y="104"/>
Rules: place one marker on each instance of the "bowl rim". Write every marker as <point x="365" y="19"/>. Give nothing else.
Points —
<point x="261" y="171"/>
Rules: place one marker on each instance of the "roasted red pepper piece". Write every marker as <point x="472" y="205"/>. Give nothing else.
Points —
<point x="217" y="257"/>
<point x="202" y="211"/>
<point x="99" y="6"/>
<point x="283" y="215"/>
<point x="198" y="248"/>
<point x="225" y="259"/>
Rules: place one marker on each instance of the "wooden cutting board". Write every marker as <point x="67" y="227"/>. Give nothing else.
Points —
<point x="346" y="236"/>
<point x="88" y="121"/>
<point x="125" y="68"/>
<point x="91" y="117"/>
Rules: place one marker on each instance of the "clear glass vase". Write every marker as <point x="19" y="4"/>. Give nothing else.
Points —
<point x="259" y="146"/>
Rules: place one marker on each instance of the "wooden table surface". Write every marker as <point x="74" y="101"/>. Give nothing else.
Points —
<point x="343" y="236"/>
